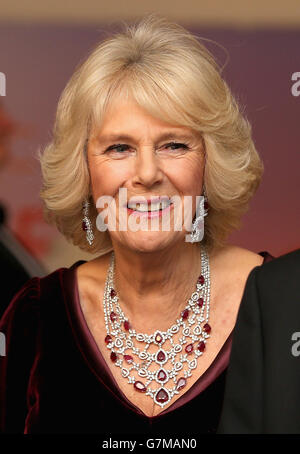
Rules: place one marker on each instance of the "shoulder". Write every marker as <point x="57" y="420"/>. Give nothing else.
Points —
<point x="280" y="275"/>
<point x="37" y="295"/>
<point x="27" y="292"/>
<point x="230" y="267"/>
<point x="284" y="264"/>
<point x="235" y="259"/>
<point x="272" y="290"/>
<point x="26" y="302"/>
<point x="24" y="305"/>
<point x="271" y="303"/>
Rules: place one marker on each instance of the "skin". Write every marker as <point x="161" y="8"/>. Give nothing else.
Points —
<point x="147" y="169"/>
<point x="165" y="267"/>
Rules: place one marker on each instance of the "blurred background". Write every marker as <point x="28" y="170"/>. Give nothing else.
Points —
<point x="42" y="42"/>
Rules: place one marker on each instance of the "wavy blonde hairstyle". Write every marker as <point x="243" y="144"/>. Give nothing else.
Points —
<point x="171" y="74"/>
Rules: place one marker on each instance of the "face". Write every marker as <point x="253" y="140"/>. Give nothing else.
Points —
<point x="149" y="158"/>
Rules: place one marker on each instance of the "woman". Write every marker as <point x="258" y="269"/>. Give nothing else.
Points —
<point x="137" y="339"/>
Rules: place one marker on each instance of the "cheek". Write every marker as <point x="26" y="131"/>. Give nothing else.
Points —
<point x="106" y="179"/>
<point x="187" y="176"/>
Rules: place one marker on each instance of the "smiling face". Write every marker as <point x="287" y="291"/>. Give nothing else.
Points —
<point x="149" y="158"/>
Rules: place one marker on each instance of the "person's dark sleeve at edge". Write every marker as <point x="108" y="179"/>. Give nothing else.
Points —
<point x="243" y="397"/>
<point x="262" y="391"/>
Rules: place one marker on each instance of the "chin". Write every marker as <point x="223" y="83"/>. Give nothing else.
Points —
<point x="150" y="241"/>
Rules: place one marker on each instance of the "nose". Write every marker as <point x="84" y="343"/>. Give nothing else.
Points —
<point x="148" y="170"/>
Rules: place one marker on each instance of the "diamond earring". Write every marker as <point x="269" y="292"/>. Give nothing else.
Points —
<point x="198" y="224"/>
<point x="86" y="223"/>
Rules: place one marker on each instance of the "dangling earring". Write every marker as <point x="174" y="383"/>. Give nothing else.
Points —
<point x="86" y="223"/>
<point x="198" y="224"/>
<point x="205" y="202"/>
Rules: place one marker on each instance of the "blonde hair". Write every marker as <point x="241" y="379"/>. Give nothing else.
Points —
<point x="171" y="74"/>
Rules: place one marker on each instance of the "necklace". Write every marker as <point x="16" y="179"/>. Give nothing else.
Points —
<point x="126" y="344"/>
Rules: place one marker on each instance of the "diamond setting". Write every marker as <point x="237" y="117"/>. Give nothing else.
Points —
<point x="173" y="360"/>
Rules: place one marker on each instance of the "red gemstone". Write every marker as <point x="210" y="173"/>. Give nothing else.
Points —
<point x="185" y="314"/>
<point x="84" y="226"/>
<point x="206" y="205"/>
<point x="207" y="328"/>
<point x="127" y="325"/>
<point x="162" y="396"/>
<point x="139" y="386"/>
<point x="181" y="383"/>
<point x="108" y="339"/>
<point x="113" y="316"/>
<point x="113" y="293"/>
<point x="161" y="356"/>
<point x="200" y="302"/>
<point x="161" y="375"/>
<point x="189" y="348"/>
<point x="201" y="346"/>
<point x="113" y="357"/>
<point x="128" y="359"/>
<point x="201" y="279"/>
<point x="158" y="338"/>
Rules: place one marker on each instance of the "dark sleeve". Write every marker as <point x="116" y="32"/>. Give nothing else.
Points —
<point x="13" y="276"/>
<point x="242" y="405"/>
<point x="18" y="329"/>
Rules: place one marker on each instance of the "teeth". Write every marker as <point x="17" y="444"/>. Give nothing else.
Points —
<point x="144" y="207"/>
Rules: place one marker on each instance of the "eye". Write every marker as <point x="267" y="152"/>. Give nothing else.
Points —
<point x="176" y="145"/>
<point x="122" y="147"/>
<point x="117" y="146"/>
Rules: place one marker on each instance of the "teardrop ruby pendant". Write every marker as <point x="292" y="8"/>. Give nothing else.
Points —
<point x="139" y="386"/>
<point x="161" y="396"/>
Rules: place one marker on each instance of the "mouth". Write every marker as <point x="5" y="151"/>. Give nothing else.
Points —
<point x="150" y="209"/>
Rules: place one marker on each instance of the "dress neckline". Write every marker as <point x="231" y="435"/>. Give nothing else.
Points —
<point x="97" y="364"/>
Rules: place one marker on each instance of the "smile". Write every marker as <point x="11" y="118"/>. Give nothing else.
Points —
<point x="148" y="209"/>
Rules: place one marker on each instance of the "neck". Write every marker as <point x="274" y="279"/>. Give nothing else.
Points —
<point x="154" y="288"/>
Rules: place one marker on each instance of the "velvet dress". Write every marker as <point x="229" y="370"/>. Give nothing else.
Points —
<point x="54" y="379"/>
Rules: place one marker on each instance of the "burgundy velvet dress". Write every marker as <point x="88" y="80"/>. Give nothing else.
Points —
<point x="54" y="379"/>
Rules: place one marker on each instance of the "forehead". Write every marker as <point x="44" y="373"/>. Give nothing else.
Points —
<point x="125" y="119"/>
<point x="128" y="110"/>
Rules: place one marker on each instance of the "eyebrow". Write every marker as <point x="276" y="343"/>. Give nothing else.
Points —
<point x="125" y="137"/>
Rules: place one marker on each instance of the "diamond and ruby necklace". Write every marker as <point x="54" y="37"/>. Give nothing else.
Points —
<point x="129" y="349"/>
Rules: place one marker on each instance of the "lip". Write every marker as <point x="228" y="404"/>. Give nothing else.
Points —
<point x="150" y="214"/>
<point x="153" y="199"/>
